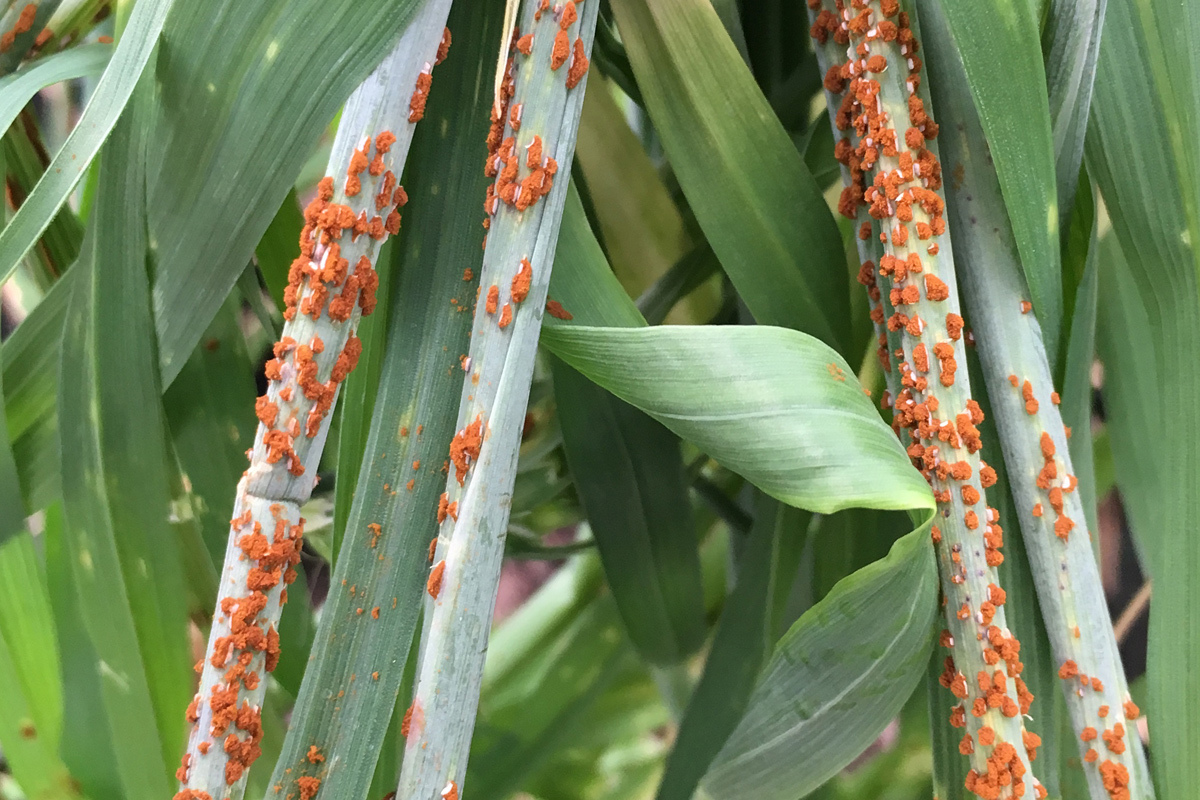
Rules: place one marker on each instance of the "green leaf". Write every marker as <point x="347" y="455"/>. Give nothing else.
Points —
<point x="358" y="404"/>
<point x="1020" y="142"/>
<point x="107" y="102"/>
<point x="742" y="645"/>
<point x="1148" y="178"/>
<point x="739" y="394"/>
<point x="742" y="176"/>
<point x="31" y="704"/>
<point x="412" y="421"/>
<point x="274" y="251"/>
<point x="210" y="409"/>
<point x="628" y="472"/>
<point x="251" y="85"/>
<point x="842" y="672"/>
<point x="1071" y="43"/>
<point x="18" y="89"/>
<point x="12" y="509"/>
<point x="117" y="548"/>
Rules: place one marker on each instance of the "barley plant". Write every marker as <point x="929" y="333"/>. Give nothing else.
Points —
<point x="600" y="399"/>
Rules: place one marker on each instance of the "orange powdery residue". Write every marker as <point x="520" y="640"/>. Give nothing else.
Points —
<point x="562" y="48"/>
<point x="308" y="786"/>
<point x="464" y="448"/>
<point x="191" y="794"/>
<point x="314" y="755"/>
<point x="450" y="791"/>
<point x="505" y="316"/>
<point x="1116" y="780"/>
<point x="1031" y="404"/>
<point x="420" y="96"/>
<point x="521" y="281"/>
<point x="579" y="65"/>
<point x="493" y="299"/>
<point x="43" y="37"/>
<point x="443" y="47"/>
<point x="434" y="584"/>
<point x="555" y="309"/>
<point x="569" y="15"/>
<point x="525" y="44"/>
<point x="23" y="24"/>
<point x="376" y="531"/>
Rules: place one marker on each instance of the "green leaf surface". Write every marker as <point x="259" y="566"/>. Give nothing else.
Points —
<point x="740" y="172"/>
<point x="22" y="42"/>
<point x="842" y="672"/>
<point x="1147" y="176"/>
<point x="275" y="250"/>
<point x="107" y="102"/>
<point x="17" y="89"/>
<point x="628" y="472"/>
<point x="342" y="708"/>
<point x="31" y="705"/>
<point x="210" y="410"/>
<point x="1071" y="43"/>
<point x="12" y="508"/>
<point x="1021" y="142"/>
<point x="117" y="548"/>
<point x="740" y="393"/>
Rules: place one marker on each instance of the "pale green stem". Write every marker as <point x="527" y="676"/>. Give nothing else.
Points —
<point x="498" y="369"/>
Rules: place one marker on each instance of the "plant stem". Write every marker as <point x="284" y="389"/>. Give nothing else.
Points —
<point x="331" y="285"/>
<point x="534" y="124"/>
<point x="887" y="145"/>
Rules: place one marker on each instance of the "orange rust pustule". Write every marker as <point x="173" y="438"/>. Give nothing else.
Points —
<point x="434" y="584"/>
<point x="420" y="96"/>
<point x="521" y="281"/>
<point x="23" y="24"/>
<point x="464" y="448"/>
<point x="579" y="64"/>
<point x="562" y="49"/>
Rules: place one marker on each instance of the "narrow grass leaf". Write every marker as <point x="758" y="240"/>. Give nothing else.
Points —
<point x="1148" y="179"/>
<point x="739" y="170"/>
<point x="629" y="474"/>
<point x="31" y="703"/>
<point x="17" y="89"/>
<point x="1021" y="144"/>
<point x="118" y="550"/>
<point x="106" y="104"/>
<point x="1071" y="45"/>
